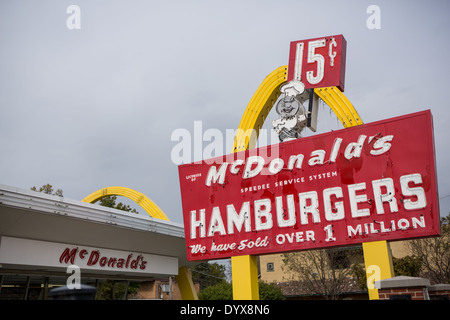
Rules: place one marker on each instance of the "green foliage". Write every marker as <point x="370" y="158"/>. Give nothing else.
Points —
<point x="359" y="273"/>
<point x="48" y="189"/>
<point x="114" y="290"/>
<point x="269" y="291"/>
<point x="219" y="291"/>
<point x="208" y="274"/>
<point x="224" y="291"/>
<point x="110" y="202"/>
<point x="407" y="266"/>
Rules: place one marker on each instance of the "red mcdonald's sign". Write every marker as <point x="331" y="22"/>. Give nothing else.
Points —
<point x="366" y="183"/>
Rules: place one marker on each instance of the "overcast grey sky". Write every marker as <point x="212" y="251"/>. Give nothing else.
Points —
<point x="95" y="107"/>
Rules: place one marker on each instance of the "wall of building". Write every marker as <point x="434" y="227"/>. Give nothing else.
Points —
<point x="411" y="288"/>
<point x="160" y="290"/>
<point x="271" y="268"/>
<point x="271" y="265"/>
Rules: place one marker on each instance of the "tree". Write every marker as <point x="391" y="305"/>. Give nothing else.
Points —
<point x="270" y="291"/>
<point x="224" y="291"/>
<point x="434" y="253"/>
<point x="220" y="291"/>
<point x="115" y="290"/>
<point x="110" y="202"/>
<point x="208" y="274"/>
<point x="323" y="272"/>
<point x="48" y="189"/>
<point x="359" y="272"/>
<point x="406" y="266"/>
<point x="430" y="258"/>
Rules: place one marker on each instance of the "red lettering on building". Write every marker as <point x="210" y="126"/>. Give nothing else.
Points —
<point x="68" y="256"/>
<point x="94" y="258"/>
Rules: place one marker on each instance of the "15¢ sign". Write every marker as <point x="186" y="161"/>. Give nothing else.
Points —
<point x="318" y="62"/>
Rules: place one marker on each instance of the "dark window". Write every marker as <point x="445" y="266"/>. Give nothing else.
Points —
<point x="439" y="297"/>
<point x="400" y="297"/>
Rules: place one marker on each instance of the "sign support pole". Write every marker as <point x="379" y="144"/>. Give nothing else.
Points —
<point x="187" y="288"/>
<point x="245" y="277"/>
<point x="378" y="262"/>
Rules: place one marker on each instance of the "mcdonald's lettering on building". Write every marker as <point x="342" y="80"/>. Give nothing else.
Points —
<point x="366" y="183"/>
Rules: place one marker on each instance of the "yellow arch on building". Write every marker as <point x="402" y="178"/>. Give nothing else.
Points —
<point x="148" y="205"/>
<point x="184" y="278"/>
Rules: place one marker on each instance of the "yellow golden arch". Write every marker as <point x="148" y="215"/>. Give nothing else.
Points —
<point x="264" y="98"/>
<point x="184" y="278"/>
<point x="244" y="268"/>
<point x="148" y="205"/>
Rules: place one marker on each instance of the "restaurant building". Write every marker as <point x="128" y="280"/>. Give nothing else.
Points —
<point x="48" y="241"/>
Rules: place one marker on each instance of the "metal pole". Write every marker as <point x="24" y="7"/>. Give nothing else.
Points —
<point x="46" y="282"/>
<point x="125" y="295"/>
<point x="170" y="288"/>
<point x="113" y="290"/>
<point x="25" y="297"/>
<point x="97" y="285"/>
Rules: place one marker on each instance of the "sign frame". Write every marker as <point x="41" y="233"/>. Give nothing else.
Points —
<point x="318" y="62"/>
